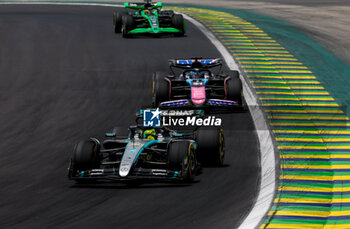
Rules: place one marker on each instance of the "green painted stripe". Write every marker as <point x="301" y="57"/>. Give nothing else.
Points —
<point x="313" y="185"/>
<point x="316" y="174"/>
<point x="310" y="222"/>
<point x="296" y="162"/>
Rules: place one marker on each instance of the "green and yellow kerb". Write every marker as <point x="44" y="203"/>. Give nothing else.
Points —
<point x="312" y="132"/>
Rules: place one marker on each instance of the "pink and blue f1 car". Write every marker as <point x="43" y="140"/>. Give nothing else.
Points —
<point x="193" y="84"/>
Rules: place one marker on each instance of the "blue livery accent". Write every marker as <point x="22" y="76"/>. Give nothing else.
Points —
<point x="189" y="62"/>
<point x="110" y="134"/>
<point x="199" y="113"/>
<point x="190" y="81"/>
<point x="177" y="134"/>
<point x="175" y="103"/>
<point x="220" y="103"/>
<point x="175" y="174"/>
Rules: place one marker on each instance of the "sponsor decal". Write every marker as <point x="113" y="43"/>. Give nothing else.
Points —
<point x="192" y="121"/>
<point x="153" y="21"/>
<point x="151" y="118"/>
<point x="124" y="169"/>
<point x="178" y="113"/>
<point x="157" y="118"/>
<point x="159" y="170"/>
<point x="96" y="172"/>
<point x="136" y="144"/>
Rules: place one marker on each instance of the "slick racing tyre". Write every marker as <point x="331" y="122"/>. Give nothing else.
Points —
<point x="211" y="146"/>
<point x="160" y="88"/>
<point x="178" y="23"/>
<point x="234" y="88"/>
<point x="85" y="155"/>
<point x="234" y="74"/>
<point x="181" y="158"/>
<point x="127" y="25"/>
<point x="118" y="21"/>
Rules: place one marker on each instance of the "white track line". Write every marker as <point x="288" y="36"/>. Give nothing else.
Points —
<point x="267" y="150"/>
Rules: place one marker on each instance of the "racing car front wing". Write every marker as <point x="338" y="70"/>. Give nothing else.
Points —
<point x="150" y="30"/>
<point x="183" y="103"/>
<point x="137" y="174"/>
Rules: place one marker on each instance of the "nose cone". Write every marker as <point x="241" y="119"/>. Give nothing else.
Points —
<point x="198" y="95"/>
<point x="123" y="171"/>
<point x="129" y="157"/>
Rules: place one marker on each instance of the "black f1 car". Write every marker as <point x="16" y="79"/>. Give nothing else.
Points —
<point x="148" y="153"/>
<point x="197" y="86"/>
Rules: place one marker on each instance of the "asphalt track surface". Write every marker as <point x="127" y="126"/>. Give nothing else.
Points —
<point x="65" y="76"/>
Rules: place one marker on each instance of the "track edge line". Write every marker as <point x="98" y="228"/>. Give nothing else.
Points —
<point x="268" y="184"/>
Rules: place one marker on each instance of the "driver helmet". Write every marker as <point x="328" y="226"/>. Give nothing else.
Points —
<point x="150" y="134"/>
<point x="193" y="74"/>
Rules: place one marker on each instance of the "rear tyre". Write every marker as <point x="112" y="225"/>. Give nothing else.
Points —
<point x="178" y="23"/>
<point x="181" y="158"/>
<point x="117" y="22"/>
<point x="160" y="88"/>
<point x="234" y="74"/>
<point x="211" y="146"/>
<point x="166" y="13"/>
<point x="127" y="25"/>
<point x="234" y="88"/>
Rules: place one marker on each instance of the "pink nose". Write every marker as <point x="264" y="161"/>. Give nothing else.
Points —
<point x="198" y="95"/>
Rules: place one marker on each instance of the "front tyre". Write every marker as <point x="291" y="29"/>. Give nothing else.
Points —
<point x="234" y="88"/>
<point x="86" y="155"/>
<point x="127" y="25"/>
<point x="181" y="158"/>
<point x="160" y="88"/>
<point x="117" y="22"/>
<point x="179" y="23"/>
<point x="211" y="146"/>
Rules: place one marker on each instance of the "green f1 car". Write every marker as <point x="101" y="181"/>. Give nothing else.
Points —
<point x="148" y="18"/>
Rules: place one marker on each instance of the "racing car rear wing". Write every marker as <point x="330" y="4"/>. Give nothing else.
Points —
<point x="143" y="5"/>
<point x="196" y="62"/>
